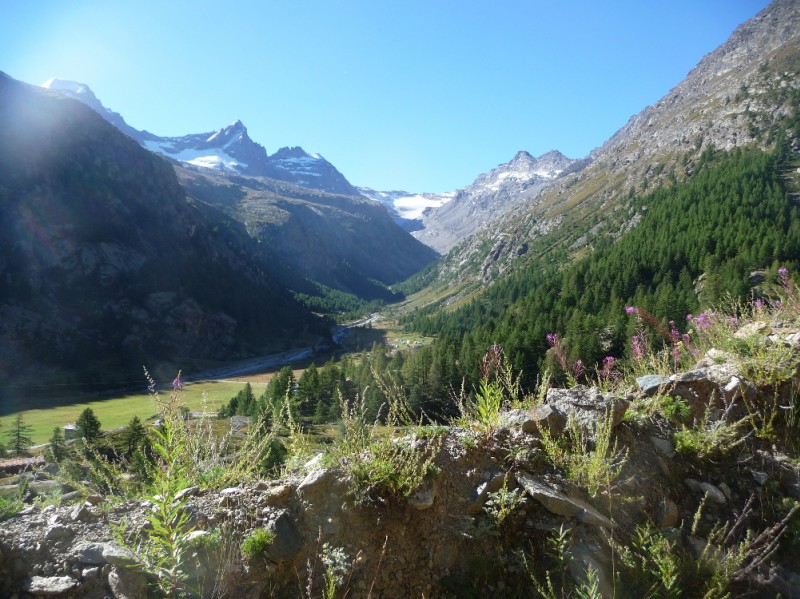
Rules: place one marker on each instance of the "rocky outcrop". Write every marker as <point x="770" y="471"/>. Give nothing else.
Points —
<point x="425" y="543"/>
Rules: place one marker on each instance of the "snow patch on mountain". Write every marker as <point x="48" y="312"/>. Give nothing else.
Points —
<point x="216" y="159"/>
<point x="406" y="207"/>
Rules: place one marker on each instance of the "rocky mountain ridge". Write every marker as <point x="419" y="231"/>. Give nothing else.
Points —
<point x="229" y="149"/>
<point x="518" y="181"/>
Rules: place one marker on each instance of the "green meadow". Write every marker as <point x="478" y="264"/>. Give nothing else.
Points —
<point x="117" y="411"/>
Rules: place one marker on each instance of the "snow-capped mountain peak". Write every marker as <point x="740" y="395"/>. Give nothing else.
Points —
<point x="228" y="149"/>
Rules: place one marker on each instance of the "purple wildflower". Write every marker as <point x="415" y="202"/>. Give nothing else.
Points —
<point x="758" y="304"/>
<point x="631" y="310"/>
<point x="177" y="384"/>
<point x="638" y="352"/>
<point x="783" y="272"/>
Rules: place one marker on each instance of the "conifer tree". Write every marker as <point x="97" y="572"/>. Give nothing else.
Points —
<point x="58" y="448"/>
<point x="88" y="426"/>
<point x="18" y="436"/>
<point x="134" y="435"/>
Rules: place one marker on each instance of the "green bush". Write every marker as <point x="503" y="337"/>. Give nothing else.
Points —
<point x="257" y="543"/>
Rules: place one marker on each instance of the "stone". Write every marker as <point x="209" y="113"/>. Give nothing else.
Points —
<point x="663" y="446"/>
<point x="80" y="513"/>
<point x="492" y="482"/>
<point x="71" y="496"/>
<point x="57" y="532"/>
<point x="714" y="493"/>
<point x="587" y="405"/>
<point x="752" y="329"/>
<point x="49" y="586"/>
<point x="668" y="514"/>
<point x="89" y="553"/>
<point x="187" y="492"/>
<point x="546" y="417"/>
<point x="759" y="477"/>
<point x="424" y="496"/>
<point x="288" y="540"/>
<point x="95" y="499"/>
<point x="559" y="503"/>
<point x="650" y="384"/>
<point x="118" y="556"/>
<point x="127" y="584"/>
<point x="314" y="462"/>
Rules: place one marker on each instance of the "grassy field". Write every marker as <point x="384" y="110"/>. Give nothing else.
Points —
<point x="43" y="414"/>
<point x="118" y="411"/>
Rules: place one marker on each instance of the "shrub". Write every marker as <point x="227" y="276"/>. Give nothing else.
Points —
<point x="393" y="468"/>
<point x="256" y="544"/>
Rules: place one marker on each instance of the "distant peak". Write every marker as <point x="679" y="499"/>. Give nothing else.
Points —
<point x="553" y="155"/>
<point x="65" y="85"/>
<point x="294" y="152"/>
<point x="522" y="155"/>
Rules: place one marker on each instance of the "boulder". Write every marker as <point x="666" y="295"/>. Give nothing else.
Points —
<point x="288" y="540"/>
<point x="650" y="384"/>
<point x="548" y="418"/>
<point x="49" y="586"/>
<point x="559" y="503"/>
<point x="127" y="584"/>
<point x="587" y="405"/>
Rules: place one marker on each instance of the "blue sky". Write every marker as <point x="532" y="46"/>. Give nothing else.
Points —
<point x="421" y="95"/>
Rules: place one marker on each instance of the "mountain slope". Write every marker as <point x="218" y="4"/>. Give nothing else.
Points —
<point x="345" y="242"/>
<point x="520" y="180"/>
<point x="104" y="262"/>
<point x="737" y="95"/>
<point x="229" y="149"/>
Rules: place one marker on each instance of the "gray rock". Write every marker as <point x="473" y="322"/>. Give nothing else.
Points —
<point x="89" y="553"/>
<point x="424" y="496"/>
<point x="187" y="492"/>
<point x="288" y="540"/>
<point x="650" y="384"/>
<point x="127" y="584"/>
<point x="71" y="496"/>
<point x="118" y="556"/>
<point x="492" y="482"/>
<point x="44" y="487"/>
<point x="546" y="417"/>
<point x="558" y="503"/>
<point x="587" y="405"/>
<point x="49" y="586"/>
<point x="663" y="446"/>
<point x="752" y="329"/>
<point x="714" y="493"/>
<point x="57" y="532"/>
<point x="759" y="477"/>
<point x="81" y="513"/>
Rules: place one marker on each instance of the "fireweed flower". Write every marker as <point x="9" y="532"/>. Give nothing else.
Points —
<point x="631" y="310"/>
<point x="783" y="272"/>
<point x="638" y="352"/>
<point x="177" y="385"/>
